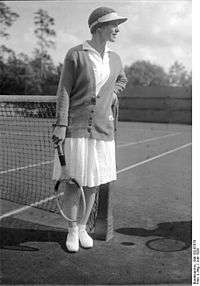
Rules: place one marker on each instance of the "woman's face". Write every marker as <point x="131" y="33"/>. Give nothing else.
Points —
<point x="109" y="32"/>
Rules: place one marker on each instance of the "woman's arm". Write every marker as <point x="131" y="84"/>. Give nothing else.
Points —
<point x="119" y="87"/>
<point x="63" y="95"/>
<point x="64" y="89"/>
<point x="120" y="82"/>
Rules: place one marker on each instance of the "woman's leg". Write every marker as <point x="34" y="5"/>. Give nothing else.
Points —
<point x="76" y="233"/>
<point x="85" y="240"/>
<point x="71" y="201"/>
<point x="90" y="194"/>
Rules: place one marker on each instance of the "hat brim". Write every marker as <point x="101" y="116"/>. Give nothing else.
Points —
<point x="108" y="18"/>
<point x="118" y="20"/>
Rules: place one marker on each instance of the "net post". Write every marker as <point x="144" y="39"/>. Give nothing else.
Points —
<point x="104" y="220"/>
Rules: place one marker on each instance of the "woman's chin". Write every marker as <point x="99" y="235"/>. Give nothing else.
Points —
<point x="112" y="40"/>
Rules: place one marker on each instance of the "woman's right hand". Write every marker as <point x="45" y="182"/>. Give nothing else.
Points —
<point x="58" y="134"/>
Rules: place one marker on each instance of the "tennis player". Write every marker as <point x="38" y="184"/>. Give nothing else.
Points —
<point x="87" y="101"/>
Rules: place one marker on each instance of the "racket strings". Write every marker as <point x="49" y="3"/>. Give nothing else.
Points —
<point x="66" y="202"/>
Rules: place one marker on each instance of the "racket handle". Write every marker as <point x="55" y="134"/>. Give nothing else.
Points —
<point x="61" y="155"/>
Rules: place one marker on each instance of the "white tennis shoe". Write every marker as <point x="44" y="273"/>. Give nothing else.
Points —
<point x="72" y="242"/>
<point x="85" y="240"/>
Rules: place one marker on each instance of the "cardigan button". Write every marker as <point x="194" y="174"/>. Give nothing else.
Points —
<point x="93" y="100"/>
<point x="89" y="129"/>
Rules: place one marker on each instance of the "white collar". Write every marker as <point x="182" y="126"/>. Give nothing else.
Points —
<point x="87" y="46"/>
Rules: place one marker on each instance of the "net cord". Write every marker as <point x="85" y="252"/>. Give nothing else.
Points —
<point x="27" y="98"/>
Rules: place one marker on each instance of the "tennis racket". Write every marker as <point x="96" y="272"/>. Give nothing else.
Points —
<point x="61" y="187"/>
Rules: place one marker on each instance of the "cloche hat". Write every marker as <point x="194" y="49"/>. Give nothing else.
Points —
<point x="103" y="15"/>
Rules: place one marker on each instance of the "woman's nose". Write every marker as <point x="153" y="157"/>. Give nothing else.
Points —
<point x="116" y="29"/>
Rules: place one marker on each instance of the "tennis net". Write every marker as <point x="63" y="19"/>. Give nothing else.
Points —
<point x="27" y="152"/>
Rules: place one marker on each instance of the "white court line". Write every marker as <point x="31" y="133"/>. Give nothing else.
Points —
<point x="23" y="133"/>
<point x="26" y="167"/>
<point x="153" y="158"/>
<point x="147" y="140"/>
<point x="118" y="172"/>
<point x="119" y="146"/>
<point x="30" y="206"/>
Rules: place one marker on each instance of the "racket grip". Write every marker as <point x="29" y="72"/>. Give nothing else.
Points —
<point x="61" y="155"/>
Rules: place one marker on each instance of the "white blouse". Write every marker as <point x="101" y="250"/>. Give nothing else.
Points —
<point x="91" y="161"/>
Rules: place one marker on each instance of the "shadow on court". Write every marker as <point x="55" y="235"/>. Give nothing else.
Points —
<point x="13" y="238"/>
<point x="179" y="232"/>
<point x="38" y="253"/>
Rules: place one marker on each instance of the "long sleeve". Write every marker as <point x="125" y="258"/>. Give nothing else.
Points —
<point x="119" y="86"/>
<point x="120" y="82"/>
<point x="64" y="89"/>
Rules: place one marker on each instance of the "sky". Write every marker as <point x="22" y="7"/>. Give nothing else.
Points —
<point x="157" y="31"/>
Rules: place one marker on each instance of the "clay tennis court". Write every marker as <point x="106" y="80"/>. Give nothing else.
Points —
<point x="152" y="220"/>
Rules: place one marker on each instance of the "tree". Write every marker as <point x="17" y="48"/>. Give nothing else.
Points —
<point x="30" y="76"/>
<point x="44" y="33"/>
<point x="5" y="51"/>
<point x="7" y="18"/>
<point x="144" y="73"/>
<point x="178" y="75"/>
<point x="48" y="83"/>
<point x="21" y="74"/>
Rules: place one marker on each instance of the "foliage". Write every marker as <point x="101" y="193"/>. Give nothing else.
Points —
<point x="178" y="75"/>
<point x="20" y="74"/>
<point x="44" y="32"/>
<point x="143" y="73"/>
<point x="7" y="18"/>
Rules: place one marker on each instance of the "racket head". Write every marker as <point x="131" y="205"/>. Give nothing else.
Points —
<point x="70" y="185"/>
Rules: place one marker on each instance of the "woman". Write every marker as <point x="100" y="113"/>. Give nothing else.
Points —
<point x="91" y="79"/>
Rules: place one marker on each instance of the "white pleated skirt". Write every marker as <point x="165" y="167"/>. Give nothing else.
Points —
<point x="91" y="162"/>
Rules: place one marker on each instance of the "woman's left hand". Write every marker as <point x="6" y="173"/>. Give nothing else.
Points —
<point x="58" y="134"/>
<point x="114" y="97"/>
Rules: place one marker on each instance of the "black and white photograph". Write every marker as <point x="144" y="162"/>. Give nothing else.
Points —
<point x="98" y="143"/>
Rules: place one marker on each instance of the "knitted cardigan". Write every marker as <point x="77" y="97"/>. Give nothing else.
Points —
<point x="78" y="107"/>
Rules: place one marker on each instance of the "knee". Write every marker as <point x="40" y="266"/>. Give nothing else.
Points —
<point x="92" y="190"/>
<point x="71" y="189"/>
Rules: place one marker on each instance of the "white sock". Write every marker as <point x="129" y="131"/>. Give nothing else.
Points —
<point x="82" y="227"/>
